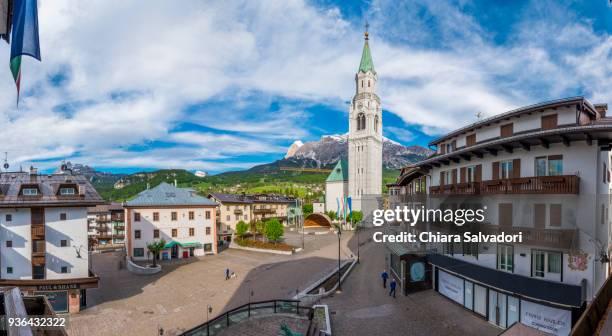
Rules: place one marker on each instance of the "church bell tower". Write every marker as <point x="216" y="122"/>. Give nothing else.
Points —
<point x="365" y="134"/>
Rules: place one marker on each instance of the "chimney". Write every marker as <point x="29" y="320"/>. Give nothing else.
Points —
<point x="601" y="109"/>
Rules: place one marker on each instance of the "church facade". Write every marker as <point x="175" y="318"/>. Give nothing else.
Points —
<point x="365" y="134"/>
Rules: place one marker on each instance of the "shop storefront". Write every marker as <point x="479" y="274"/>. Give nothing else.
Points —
<point x="504" y="298"/>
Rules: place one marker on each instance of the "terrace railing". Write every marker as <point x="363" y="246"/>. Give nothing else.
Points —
<point x="215" y="325"/>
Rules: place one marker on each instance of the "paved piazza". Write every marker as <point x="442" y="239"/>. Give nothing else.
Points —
<point x="176" y="299"/>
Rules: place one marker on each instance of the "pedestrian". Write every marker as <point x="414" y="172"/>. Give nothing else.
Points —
<point x="392" y="284"/>
<point x="227" y="273"/>
<point x="384" y="275"/>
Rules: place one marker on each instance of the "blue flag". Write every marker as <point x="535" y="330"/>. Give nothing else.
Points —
<point x="338" y="209"/>
<point x="24" y="37"/>
<point x="350" y="206"/>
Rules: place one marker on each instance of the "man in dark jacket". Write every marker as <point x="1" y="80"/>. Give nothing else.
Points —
<point x="393" y="284"/>
<point x="384" y="275"/>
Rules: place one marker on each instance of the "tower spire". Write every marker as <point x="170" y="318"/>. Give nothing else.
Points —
<point x="366" y="57"/>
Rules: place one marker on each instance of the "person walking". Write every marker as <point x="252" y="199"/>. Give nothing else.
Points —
<point x="384" y="275"/>
<point x="393" y="284"/>
<point x="227" y="273"/>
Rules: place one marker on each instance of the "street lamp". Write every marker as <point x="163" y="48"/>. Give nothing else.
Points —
<point x="208" y="311"/>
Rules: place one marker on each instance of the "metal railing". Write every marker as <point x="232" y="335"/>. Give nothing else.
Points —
<point x="234" y="316"/>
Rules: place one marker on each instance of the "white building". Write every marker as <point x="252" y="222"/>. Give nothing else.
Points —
<point x="543" y="170"/>
<point x="43" y="236"/>
<point x="365" y="135"/>
<point x="185" y="220"/>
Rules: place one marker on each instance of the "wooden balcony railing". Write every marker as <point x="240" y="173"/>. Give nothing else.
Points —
<point x="263" y="211"/>
<point x="549" y="238"/>
<point x="562" y="184"/>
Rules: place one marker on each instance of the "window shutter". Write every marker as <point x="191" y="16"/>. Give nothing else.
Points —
<point x="506" y="130"/>
<point x="470" y="140"/>
<point x="443" y="149"/>
<point x="441" y="179"/>
<point x="462" y="175"/>
<point x="549" y="122"/>
<point x="505" y="214"/>
<point x="454" y="176"/>
<point x="539" y="216"/>
<point x="516" y="168"/>
<point x="478" y="173"/>
<point x="495" y="170"/>
<point x="454" y="145"/>
<point x="555" y="215"/>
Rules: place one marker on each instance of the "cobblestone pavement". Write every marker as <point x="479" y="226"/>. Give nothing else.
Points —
<point x="176" y="299"/>
<point x="365" y="308"/>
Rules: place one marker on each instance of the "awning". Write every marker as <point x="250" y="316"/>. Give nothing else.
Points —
<point x="183" y="245"/>
<point x="398" y="249"/>
<point x="548" y="291"/>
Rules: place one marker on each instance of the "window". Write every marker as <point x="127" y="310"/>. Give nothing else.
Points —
<point x="191" y="232"/>
<point x="9" y="270"/>
<point x="208" y="231"/>
<point x="546" y="262"/>
<point x="448" y="177"/>
<point x="63" y="216"/>
<point x="63" y="243"/>
<point x="136" y="234"/>
<point x="138" y="252"/>
<point x="505" y="214"/>
<point x="64" y="269"/>
<point x="207" y="214"/>
<point x="447" y="248"/>
<point x="136" y="216"/>
<point x="237" y="217"/>
<point x="191" y="215"/>
<point x="549" y="165"/>
<point x="555" y="215"/>
<point x="549" y="122"/>
<point x="376" y="124"/>
<point x="173" y="215"/>
<point x="470" y="174"/>
<point x="228" y="217"/>
<point x="9" y="217"/>
<point x="449" y="148"/>
<point x="207" y="247"/>
<point x="361" y="121"/>
<point x="246" y="217"/>
<point x="470" y="140"/>
<point x="227" y="208"/>
<point x="67" y="191"/>
<point x="156" y="216"/>
<point x="505" y="257"/>
<point x="30" y="191"/>
<point x="9" y="243"/>
<point x="506" y="169"/>
<point x="38" y="246"/>
<point x="155" y="233"/>
<point x="174" y="233"/>
<point x="506" y="130"/>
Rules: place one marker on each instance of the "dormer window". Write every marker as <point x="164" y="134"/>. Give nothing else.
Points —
<point x="29" y="191"/>
<point x="67" y="191"/>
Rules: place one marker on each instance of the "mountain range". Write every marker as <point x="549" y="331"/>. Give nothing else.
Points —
<point x="326" y="152"/>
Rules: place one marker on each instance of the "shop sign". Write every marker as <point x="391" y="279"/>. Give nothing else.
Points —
<point x="57" y="287"/>
<point x="548" y="319"/>
<point x="450" y="286"/>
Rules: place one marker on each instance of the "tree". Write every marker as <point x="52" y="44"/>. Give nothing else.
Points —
<point x="260" y="227"/>
<point x="307" y="209"/>
<point x="274" y="229"/>
<point x="356" y="216"/>
<point x="241" y="229"/>
<point x="155" y="248"/>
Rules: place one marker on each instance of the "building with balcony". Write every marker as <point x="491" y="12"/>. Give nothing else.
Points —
<point x="106" y="226"/>
<point x="234" y="208"/>
<point x="43" y="236"/>
<point x="185" y="220"/>
<point x="542" y="170"/>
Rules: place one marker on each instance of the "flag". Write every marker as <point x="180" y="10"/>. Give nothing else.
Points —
<point x="338" y="209"/>
<point x="349" y="204"/>
<point x="24" y="36"/>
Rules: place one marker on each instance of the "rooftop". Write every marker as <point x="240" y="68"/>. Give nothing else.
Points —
<point x="45" y="190"/>
<point x="249" y="199"/>
<point x="339" y="173"/>
<point x="168" y="195"/>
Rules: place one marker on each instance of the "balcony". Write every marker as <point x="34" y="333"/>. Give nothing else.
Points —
<point x="547" y="238"/>
<point x="562" y="184"/>
<point x="237" y="211"/>
<point x="263" y="211"/>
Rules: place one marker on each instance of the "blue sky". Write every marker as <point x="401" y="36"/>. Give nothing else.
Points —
<point x="225" y="85"/>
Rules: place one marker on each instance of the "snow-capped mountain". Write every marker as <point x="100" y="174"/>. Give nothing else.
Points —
<point x="331" y="148"/>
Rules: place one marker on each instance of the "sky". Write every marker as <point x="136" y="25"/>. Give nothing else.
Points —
<point x="225" y="85"/>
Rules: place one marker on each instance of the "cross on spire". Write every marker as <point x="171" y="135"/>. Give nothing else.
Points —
<point x="367" y="25"/>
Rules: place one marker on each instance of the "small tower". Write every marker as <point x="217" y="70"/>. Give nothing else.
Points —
<point x="365" y="133"/>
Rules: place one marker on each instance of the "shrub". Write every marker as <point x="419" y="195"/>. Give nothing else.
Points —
<point x="307" y="209"/>
<point x="274" y="230"/>
<point x="356" y="216"/>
